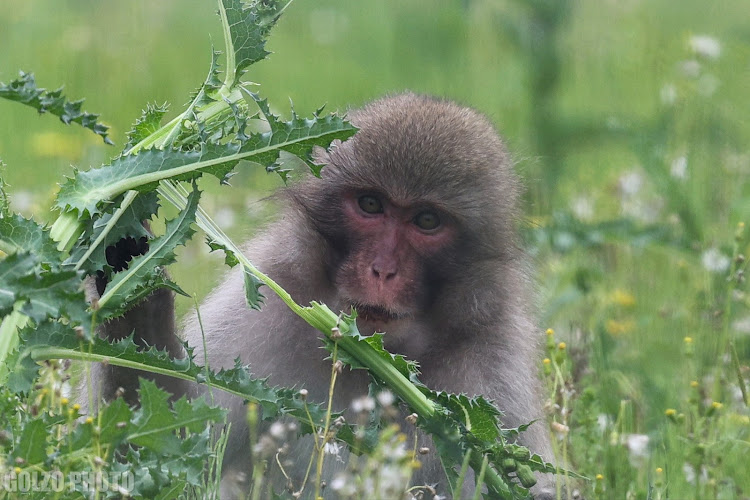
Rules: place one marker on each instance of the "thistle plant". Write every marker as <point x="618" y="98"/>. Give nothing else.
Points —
<point x="45" y="316"/>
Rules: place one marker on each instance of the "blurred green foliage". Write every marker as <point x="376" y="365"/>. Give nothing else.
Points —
<point x="628" y="120"/>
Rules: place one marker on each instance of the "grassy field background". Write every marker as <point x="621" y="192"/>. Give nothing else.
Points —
<point x="629" y="124"/>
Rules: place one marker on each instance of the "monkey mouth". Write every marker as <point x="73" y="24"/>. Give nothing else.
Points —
<point x="375" y="313"/>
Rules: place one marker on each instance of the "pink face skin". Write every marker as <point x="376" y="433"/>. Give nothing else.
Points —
<point x="383" y="274"/>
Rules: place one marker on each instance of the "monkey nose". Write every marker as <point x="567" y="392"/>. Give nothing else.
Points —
<point x="383" y="273"/>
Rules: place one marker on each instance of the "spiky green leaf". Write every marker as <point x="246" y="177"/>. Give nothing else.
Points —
<point x="129" y="224"/>
<point x="41" y="293"/>
<point x="18" y="234"/>
<point x="148" y="123"/>
<point x="24" y="90"/>
<point x="142" y="272"/>
<point x="249" y="24"/>
<point x="88" y="191"/>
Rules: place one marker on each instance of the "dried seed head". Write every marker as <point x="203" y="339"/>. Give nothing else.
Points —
<point x="412" y="419"/>
<point x="335" y="333"/>
<point x="559" y="428"/>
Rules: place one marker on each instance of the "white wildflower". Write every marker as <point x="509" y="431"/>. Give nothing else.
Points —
<point x="690" y="474"/>
<point x="637" y="445"/>
<point x="678" y="169"/>
<point x="690" y="68"/>
<point x="583" y="208"/>
<point x="742" y="325"/>
<point x="385" y="398"/>
<point x="715" y="261"/>
<point x="344" y="485"/>
<point x="332" y="448"/>
<point x="277" y="430"/>
<point x="668" y="94"/>
<point x="631" y="182"/>
<point x="363" y="404"/>
<point x="705" y="46"/>
<point x="602" y="422"/>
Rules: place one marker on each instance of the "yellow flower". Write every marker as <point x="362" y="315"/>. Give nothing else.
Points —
<point x="561" y="346"/>
<point x="623" y="298"/>
<point x="616" y="328"/>
<point x="670" y="412"/>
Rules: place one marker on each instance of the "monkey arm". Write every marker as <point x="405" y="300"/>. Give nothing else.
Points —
<point x="152" y="323"/>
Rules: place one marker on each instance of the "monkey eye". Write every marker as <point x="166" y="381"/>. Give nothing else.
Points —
<point x="427" y="221"/>
<point x="370" y="204"/>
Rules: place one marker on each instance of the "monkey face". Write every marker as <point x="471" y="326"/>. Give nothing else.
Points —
<point x="391" y="246"/>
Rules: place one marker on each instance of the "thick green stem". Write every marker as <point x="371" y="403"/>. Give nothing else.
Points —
<point x="43" y="353"/>
<point x="66" y="230"/>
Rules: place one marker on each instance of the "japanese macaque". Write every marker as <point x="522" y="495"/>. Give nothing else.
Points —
<point x="413" y="224"/>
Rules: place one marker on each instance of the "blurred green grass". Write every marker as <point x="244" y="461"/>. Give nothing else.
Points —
<point x="619" y="63"/>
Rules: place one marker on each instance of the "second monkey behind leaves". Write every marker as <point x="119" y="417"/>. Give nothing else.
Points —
<point x="413" y="223"/>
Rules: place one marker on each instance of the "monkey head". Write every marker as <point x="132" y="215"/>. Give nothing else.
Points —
<point x="410" y="208"/>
